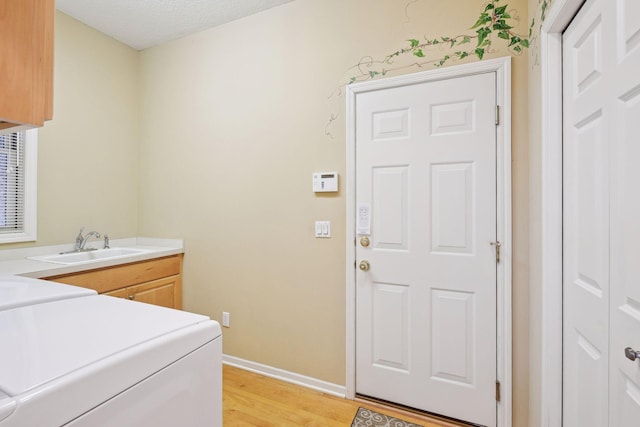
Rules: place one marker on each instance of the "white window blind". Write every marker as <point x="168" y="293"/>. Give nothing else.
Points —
<point x="17" y="186"/>
<point x="11" y="182"/>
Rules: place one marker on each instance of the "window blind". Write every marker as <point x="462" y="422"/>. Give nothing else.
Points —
<point x="12" y="182"/>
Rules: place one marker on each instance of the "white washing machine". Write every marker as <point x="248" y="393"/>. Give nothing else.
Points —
<point x="69" y="357"/>
<point x="16" y="291"/>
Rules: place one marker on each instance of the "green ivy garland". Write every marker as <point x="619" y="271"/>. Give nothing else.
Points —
<point x="494" y="19"/>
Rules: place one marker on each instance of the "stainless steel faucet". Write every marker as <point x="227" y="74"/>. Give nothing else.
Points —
<point x="81" y="240"/>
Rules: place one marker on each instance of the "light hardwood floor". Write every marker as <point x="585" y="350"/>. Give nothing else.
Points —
<point x="254" y="400"/>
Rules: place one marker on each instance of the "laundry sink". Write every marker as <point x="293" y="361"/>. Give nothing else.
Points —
<point x="89" y="256"/>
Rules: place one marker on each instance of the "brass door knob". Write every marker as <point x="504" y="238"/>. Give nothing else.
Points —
<point x="364" y="241"/>
<point x="364" y="265"/>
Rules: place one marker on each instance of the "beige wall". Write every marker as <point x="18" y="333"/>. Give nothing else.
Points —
<point x="535" y="217"/>
<point x="88" y="154"/>
<point x="233" y="124"/>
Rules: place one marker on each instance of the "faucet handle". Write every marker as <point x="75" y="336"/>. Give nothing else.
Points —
<point x="79" y="238"/>
<point x="106" y="242"/>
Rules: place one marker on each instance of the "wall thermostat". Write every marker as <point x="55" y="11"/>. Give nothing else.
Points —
<point x="325" y="182"/>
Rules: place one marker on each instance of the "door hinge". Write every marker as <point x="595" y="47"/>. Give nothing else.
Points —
<point x="497" y="115"/>
<point x="497" y="391"/>
<point x="497" y="244"/>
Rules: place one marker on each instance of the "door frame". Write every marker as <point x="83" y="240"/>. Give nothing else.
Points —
<point x="559" y="16"/>
<point x="502" y="68"/>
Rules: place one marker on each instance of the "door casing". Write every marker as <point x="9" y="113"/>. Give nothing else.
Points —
<point x="559" y="16"/>
<point x="502" y="68"/>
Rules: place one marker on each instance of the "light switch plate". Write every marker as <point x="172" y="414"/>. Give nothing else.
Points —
<point x="323" y="229"/>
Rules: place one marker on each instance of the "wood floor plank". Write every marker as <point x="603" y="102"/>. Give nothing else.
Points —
<point x="255" y="400"/>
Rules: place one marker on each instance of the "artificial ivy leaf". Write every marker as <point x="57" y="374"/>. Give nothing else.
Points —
<point x="352" y="80"/>
<point x="501" y="10"/>
<point x="483" y="19"/>
<point x="533" y="23"/>
<point x="482" y="34"/>
<point x="504" y="35"/>
<point x="501" y="25"/>
<point x="515" y="40"/>
<point x="414" y="42"/>
<point x="525" y="43"/>
<point x="479" y="53"/>
<point x="419" y="53"/>
<point x="489" y="7"/>
<point x="517" y="49"/>
<point x="465" y="39"/>
<point x="464" y="55"/>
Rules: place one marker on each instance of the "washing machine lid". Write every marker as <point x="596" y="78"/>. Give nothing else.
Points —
<point x="81" y="338"/>
<point x="16" y="291"/>
<point x="7" y="405"/>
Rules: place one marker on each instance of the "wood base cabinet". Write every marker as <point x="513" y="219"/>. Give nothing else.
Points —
<point x="157" y="281"/>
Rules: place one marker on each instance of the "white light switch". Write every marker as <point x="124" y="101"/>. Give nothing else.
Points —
<point x="323" y="229"/>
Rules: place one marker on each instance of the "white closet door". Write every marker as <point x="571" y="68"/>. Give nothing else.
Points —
<point x="601" y="67"/>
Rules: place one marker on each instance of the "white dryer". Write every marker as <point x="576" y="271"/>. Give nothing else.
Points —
<point x="69" y="358"/>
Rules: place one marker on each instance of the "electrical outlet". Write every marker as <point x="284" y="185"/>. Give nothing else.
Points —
<point x="226" y="319"/>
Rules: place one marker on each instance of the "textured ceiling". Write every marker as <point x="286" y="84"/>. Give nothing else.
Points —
<point x="145" y="23"/>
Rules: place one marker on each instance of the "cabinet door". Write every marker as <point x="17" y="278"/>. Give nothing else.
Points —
<point x="162" y="292"/>
<point x="26" y="35"/>
<point x="118" y="293"/>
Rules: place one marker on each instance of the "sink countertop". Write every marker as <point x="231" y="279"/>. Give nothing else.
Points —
<point x="15" y="262"/>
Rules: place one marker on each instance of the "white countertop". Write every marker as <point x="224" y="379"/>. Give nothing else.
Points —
<point x="15" y="262"/>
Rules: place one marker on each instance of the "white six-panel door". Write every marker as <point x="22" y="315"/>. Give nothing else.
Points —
<point x="426" y="307"/>
<point x="601" y="68"/>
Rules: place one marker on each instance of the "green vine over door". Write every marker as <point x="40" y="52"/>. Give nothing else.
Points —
<point x="493" y="27"/>
<point x="495" y="22"/>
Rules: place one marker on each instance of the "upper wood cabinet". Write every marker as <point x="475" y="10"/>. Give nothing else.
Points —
<point x="26" y="65"/>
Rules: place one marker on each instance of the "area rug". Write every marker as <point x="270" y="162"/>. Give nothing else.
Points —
<point x="369" y="418"/>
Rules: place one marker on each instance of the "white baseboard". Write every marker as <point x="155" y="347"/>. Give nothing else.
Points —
<point x="282" y="375"/>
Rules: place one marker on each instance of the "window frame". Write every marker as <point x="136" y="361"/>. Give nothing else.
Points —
<point x="29" y="230"/>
